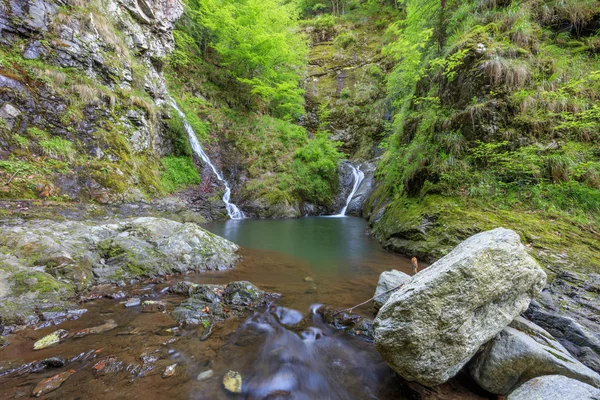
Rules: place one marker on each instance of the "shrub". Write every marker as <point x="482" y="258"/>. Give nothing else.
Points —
<point x="179" y="173"/>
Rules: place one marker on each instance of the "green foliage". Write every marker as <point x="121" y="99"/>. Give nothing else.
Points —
<point x="178" y="136"/>
<point x="315" y="169"/>
<point x="58" y="148"/>
<point x="344" y="40"/>
<point x="179" y="172"/>
<point x="256" y="43"/>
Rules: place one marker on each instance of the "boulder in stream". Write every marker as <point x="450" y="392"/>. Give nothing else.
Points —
<point x="430" y="328"/>
<point x="232" y="381"/>
<point x="388" y="280"/>
<point x="51" y="339"/>
<point x="523" y="351"/>
<point x="554" y="387"/>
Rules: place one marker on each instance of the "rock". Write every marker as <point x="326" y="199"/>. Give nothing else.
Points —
<point x="52" y="362"/>
<point x="133" y="302"/>
<point x="430" y="328"/>
<point x="232" y="381"/>
<point x="50" y="384"/>
<point x="151" y="306"/>
<point x="387" y="281"/>
<point x="523" y="351"/>
<point x="554" y="387"/>
<point x="182" y="287"/>
<point x="308" y="279"/>
<point x="169" y="371"/>
<point x="242" y="293"/>
<point x="568" y="308"/>
<point x="205" y="375"/>
<point x="108" y="365"/>
<point x="3" y="341"/>
<point x="207" y="292"/>
<point x="287" y="316"/>
<point x="107" y="326"/>
<point x="353" y="324"/>
<point x="51" y="339"/>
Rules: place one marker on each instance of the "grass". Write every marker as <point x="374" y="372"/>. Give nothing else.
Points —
<point x="58" y="148"/>
<point x="179" y="172"/>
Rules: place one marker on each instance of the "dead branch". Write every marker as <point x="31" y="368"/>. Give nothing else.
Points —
<point x="365" y="302"/>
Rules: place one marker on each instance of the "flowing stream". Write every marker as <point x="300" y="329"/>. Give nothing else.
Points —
<point x="232" y="210"/>
<point x="358" y="178"/>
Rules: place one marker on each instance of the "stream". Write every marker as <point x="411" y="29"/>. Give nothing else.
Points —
<point x="282" y="352"/>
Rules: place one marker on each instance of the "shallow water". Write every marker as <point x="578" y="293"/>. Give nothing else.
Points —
<point x="284" y="352"/>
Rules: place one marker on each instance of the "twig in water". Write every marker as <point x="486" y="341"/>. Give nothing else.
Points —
<point x="365" y="302"/>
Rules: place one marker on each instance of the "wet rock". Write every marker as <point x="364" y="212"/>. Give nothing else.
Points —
<point x="51" y="339"/>
<point x="195" y="312"/>
<point x="243" y="293"/>
<point x="205" y="375"/>
<point x="207" y="292"/>
<point x="107" y="326"/>
<point x="523" y="351"/>
<point x="52" y="362"/>
<point x="152" y="306"/>
<point x="50" y="384"/>
<point x="348" y="322"/>
<point x="554" y="387"/>
<point x="169" y="371"/>
<point x="57" y="317"/>
<point x="108" y="365"/>
<point x="3" y="342"/>
<point x="308" y="279"/>
<point x="459" y="303"/>
<point x="232" y="381"/>
<point x="182" y="287"/>
<point x="388" y="280"/>
<point x="287" y="316"/>
<point x="117" y="295"/>
<point x="133" y="302"/>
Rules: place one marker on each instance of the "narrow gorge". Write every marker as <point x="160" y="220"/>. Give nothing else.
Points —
<point x="219" y="199"/>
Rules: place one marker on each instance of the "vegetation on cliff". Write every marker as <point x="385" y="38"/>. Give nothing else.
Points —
<point x="497" y="111"/>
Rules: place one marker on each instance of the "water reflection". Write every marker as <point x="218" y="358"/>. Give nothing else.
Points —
<point x="326" y="244"/>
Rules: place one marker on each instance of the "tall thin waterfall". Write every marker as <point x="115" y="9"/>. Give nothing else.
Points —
<point x="232" y="210"/>
<point x="358" y="178"/>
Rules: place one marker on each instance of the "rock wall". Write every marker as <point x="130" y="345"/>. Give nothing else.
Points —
<point x="81" y="85"/>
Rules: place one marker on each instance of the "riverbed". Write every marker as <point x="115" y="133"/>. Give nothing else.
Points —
<point x="307" y="261"/>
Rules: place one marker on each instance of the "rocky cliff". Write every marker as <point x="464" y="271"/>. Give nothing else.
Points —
<point x="82" y="97"/>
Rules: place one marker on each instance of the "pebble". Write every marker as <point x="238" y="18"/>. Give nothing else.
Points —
<point x="133" y="302"/>
<point x="233" y="382"/>
<point x="169" y="371"/>
<point x="51" y="339"/>
<point x="50" y="384"/>
<point x="205" y="375"/>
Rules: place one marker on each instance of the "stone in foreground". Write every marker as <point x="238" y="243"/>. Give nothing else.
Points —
<point x="523" y="351"/>
<point x="430" y="328"/>
<point x="232" y="381"/>
<point x="388" y="280"/>
<point x="554" y="387"/>
<point x="50" y="384"/>
<point x="51" y="339"/>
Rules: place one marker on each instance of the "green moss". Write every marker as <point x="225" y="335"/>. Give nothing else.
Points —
<point x="25" y="282"/>
<point x="179" y="172"/>
<point x="58" y="148"/>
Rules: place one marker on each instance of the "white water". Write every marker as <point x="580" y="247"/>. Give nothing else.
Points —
<point x="358" y="178"/>
<point x="232" y="210"/>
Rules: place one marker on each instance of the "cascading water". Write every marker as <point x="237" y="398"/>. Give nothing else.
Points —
<point x="232" y="210"/>
<point x="358" y="178"/>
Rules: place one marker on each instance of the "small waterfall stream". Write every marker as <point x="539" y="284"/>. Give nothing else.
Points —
<point x="232" y="210"/>
<point x="358" y="178"/>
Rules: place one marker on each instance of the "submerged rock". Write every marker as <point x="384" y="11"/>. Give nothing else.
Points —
<point x="51" y="339"/>
<point x="205" y="375"/>
<point x="430" y="328"/>
<point x="133" y="302"/>
<point x="50" y="384"/>
<point x="554" y="387"/>
<point x="388" y="280"/>
<point x="242" y="293"/>
<point x="169" y="371"/>
<point x="232" y="381"/>
<point x="152" y="306"/>
<point x="523" y="351"/>
<point x="107" y="326"/>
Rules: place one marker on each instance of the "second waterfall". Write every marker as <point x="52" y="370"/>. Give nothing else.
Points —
<point x="232" y="210"/>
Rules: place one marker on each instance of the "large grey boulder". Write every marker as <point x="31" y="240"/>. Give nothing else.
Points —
<point x="555" y="387"/>
<point x="388" y="280"/>
<point x="43" y="261"/>
<point x="430" y="328"/>
<point x="523" y="351"/>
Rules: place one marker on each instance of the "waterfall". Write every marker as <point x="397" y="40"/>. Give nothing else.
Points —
<point x="232" y="210"/>
<point x="358" y="178"/>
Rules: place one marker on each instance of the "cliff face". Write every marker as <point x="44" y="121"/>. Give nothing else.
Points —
<point x="82" y="96"/>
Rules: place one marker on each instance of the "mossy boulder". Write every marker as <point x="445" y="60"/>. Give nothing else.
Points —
<point x="430" y="328"/>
